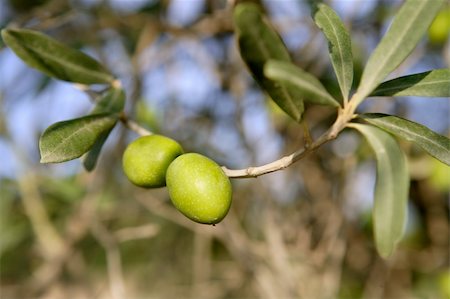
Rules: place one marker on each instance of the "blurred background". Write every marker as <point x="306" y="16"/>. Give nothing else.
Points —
<point x="304" y="232"/>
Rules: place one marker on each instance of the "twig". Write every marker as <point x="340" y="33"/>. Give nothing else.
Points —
<point x="47" y="274"/>
<point x="50" y="241"/>
<point x="344" y="116"/>
<point x="113" y="259"/>
<point x="306" y="135"/>
<point x="95" y="94"/>
<point x="133" y="126"/>
<point x="92" y="94"/>
<point x="138" y="232"/>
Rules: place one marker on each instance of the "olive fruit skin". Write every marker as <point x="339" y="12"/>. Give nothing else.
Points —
<point x="199" y="188"/>
<point x="146" y="159"/>
<point x="439" y="30"/>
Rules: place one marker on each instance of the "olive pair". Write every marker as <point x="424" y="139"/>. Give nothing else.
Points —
<point x="197" y="186"/>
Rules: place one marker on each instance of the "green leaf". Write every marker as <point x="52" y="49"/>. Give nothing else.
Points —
<point x="435" y="83"/>
<point x="339" y="46"/>
<point x="436" y="145"/>
<point x="113" y="101"/>
<point x="291" y="75"/>
<point x="406" y="30"/>
<point x="91" y="158"/>
<point x="54" y="58"/>
<point x="67" y="140"/>
<point x="391" y="188"/>
<point x="258" y="42"/>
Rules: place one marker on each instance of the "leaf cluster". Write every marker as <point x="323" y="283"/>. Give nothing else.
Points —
<point x="289" y="86"/>
<point x="406" y="30"/>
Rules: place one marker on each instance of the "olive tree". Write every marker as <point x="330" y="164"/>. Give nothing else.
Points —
<point x="198" y="187"/>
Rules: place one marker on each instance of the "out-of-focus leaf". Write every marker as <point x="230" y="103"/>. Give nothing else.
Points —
<point x="339" y="46"/>
<point x="406" y="30"/>
<point x="13" y="225"/>
<point x="67" y="140"/>
<point x="439" y="176"/>
<point x="113" y="101"/>
<point x="147" y="116"/>
<point x="311" y="88"/>
<point x="436" y="145"/>
<point x="66" y="189"/>
<point x="54" y="58"/>
<point x="391" y="188"/>
<point x="444" y="284"/>
<point x="258" y="42"/>
<point x="435" y="83"/>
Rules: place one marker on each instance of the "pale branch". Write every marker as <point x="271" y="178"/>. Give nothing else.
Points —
<point x="113" y="259"/>
<point x="51" y="243"/>
<point x="116" y="84"/>
<point x="282" y="163"/>
<point x="94" y="95"/>
<point x="134" y="126"/>
<point x="138" y="232"/>
<point x="344" y="116"/>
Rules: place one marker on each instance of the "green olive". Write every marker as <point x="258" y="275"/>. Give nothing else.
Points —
<point x="199" y="188"/>
<point x="439" y="30"/>
<point x="146" y="159"/>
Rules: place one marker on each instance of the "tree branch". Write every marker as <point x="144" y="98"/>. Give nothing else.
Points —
<point x="344" y="116"/>
<point x="134" y="126"/>
<point x="113" y="259"/>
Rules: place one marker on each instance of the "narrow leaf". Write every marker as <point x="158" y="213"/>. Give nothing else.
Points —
<point x="391" y="189"/>
<point x="291" y="75"/>
<point x="435" y="83"/>
<point x="436" y="145"/>
<point x="113" y="101"/>
<point x="91" y="158"/>
<point x="67" y="140"/>
<point x="54" y="58"/>
<point x="339" y="46"/>
<point x="258" y="42"/>
<point x="406" y="30"/>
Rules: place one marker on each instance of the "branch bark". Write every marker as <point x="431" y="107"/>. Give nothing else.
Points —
<point x="344" y="117"/>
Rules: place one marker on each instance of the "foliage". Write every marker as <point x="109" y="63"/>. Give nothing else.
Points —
<point x="391" y="189"/>
<point x="289" y="86"/>
<point x="259" y="43"/>
<point x="432" y="84"/>
<point x="406" y="30"/>
<point x="55" y="59"/>
<point x="340" y="47"/>
<point x="292" y="87"/>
